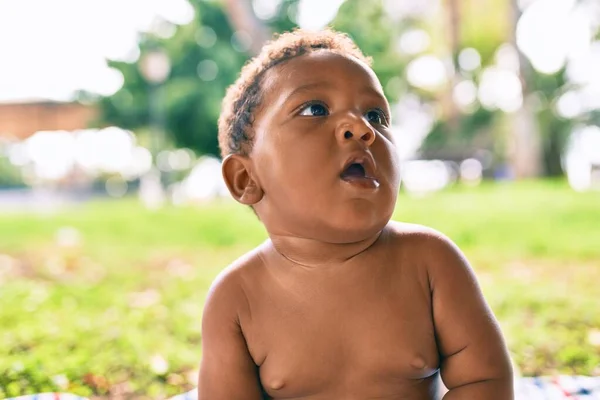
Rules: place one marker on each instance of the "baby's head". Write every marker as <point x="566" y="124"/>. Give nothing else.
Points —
<point x="305" y="136"/>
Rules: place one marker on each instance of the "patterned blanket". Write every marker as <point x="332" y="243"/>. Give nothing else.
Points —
<point x="537" y="388"/>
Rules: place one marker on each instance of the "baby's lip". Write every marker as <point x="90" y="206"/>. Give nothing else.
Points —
<point x="366" y="160"/>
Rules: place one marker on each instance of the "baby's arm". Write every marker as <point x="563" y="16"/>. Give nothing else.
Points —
<point x="474" y="359"/>
<point x="227" y="371"/>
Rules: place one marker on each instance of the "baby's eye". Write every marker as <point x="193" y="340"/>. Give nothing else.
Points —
<point x="376" y="116"/>
<point x="314" y="110"/>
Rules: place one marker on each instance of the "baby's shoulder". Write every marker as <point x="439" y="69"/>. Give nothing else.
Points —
<point x="230" y="284"/>
<point x="406" y="232"/>
<point x="420" y="242"/>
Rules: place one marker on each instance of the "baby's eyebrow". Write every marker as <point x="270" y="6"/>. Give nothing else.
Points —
<point x="367" y="90"/>
<point x="374" y="93"/>
<point x="305" y="88"/>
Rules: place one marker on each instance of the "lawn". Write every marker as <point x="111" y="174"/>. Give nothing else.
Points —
<point x="106" y="297"/>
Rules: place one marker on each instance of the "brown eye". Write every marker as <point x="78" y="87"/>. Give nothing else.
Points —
<point x="314" y="110"/>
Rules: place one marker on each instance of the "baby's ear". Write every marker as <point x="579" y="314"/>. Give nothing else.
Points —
<point x="236" y="171"/>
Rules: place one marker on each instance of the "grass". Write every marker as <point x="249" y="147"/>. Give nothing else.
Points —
<point x="106" y="298"/>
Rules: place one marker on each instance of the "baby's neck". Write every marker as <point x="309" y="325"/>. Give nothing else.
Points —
<point x="312" y="253"/>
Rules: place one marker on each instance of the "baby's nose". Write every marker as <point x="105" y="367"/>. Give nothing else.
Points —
<point x="353" y="126"/>
<point x="367" y="137"/>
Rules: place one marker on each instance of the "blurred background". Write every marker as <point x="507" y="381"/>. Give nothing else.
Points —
<point x="114" y="219"/>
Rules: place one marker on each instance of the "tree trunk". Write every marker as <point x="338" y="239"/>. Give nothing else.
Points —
<point x="525" y="155"/>
<point x="450" y="108"/>
<point x="242" y="18"/>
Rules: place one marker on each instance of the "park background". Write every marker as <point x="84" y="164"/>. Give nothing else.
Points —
<point x="114" y="220"/>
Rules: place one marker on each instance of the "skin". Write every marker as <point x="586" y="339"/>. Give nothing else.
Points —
<point x="340" y="302"/>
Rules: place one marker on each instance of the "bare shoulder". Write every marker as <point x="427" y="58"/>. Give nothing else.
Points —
<point x="474" y="357"/>
<point x="403" y="230"/>
<point x="227" y="370"/>
<point x="419" y="237"/>
<point x="428" y="248"/>
<point x="229" y="285"/>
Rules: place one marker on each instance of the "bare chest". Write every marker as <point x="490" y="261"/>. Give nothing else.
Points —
<point x="367" y="335"/>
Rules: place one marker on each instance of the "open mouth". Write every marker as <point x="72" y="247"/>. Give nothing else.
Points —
<point x="354" y="170"/>
<point x="360" y="172"/>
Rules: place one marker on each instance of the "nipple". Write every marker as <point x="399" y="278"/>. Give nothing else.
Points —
<point x="418" y="363"/>
<point x="277" y="384"/>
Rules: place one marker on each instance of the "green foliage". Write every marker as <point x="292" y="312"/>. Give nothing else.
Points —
<point x="373" y="31"/>
<point x="471" y="128"/>
<point x="553" y="129"/>
<point x="92" y="318"/>
<point x="191" y="105"/>
<point x="10" y="176"/>
<point x="485" y="25"/>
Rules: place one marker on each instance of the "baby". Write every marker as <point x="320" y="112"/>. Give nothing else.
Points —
<point x="339" y="302"/>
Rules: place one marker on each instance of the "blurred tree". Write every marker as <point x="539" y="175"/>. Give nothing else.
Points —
<point x="454" y="35"/>
<point x="530" y="140"/>
<point x="206" y="57"/>
<point x="538" y="133"/>
<point x="553" y="130"/>
<point x="242" y="17"/>
<point x="525" y="154"/>
<point x="458" y="25"/>
<point x="376" y="34"/>
<point x="484" y="25"/>
<point x="10" y="176"/>
<point x="365" y="21"/>
<point x="207" y="54"/>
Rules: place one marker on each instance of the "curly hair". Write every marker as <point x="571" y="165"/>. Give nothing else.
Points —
<point x="245" y="95"/>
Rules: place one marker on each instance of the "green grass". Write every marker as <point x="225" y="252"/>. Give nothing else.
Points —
<point x="100" y="316"/>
